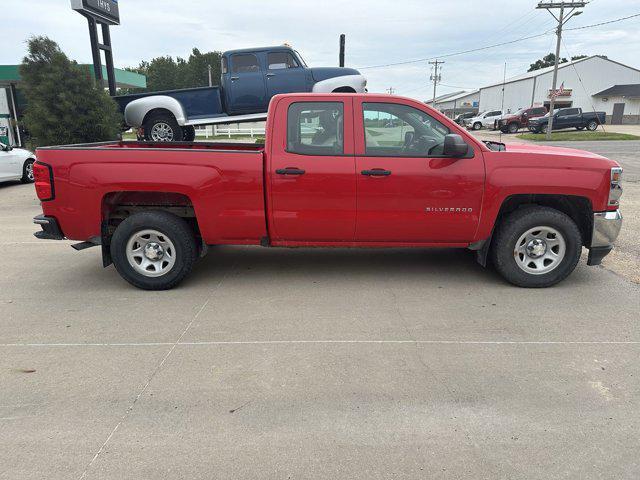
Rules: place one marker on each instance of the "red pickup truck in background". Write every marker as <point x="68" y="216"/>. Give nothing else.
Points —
<point x="513" y="122"/>
<point x="336" y="170"/>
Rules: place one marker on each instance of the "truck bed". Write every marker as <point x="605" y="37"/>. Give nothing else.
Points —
<point x="223" y="183"/>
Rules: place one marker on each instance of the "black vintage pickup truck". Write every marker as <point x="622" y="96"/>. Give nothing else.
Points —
<point x="568" y="118"/>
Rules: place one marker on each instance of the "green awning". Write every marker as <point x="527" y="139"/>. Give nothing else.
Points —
<point x="124" y="79"/>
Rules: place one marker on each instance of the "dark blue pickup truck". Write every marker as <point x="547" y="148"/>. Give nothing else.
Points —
<point x="249" y="79"/>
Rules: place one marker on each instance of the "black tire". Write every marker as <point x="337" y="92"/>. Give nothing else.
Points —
<point x="188" y="133"/>
<point x="544" y="129"/>
<point x="592" y="126"/>
<point x="513" y="226"/>
<point x="27" y="171"/>
<point x="513" y="127"/>
<point x="162" y="127"/>
<point x="580" y="128"/>
<point x="173" y="228"/>
<point x="477" y="126"/>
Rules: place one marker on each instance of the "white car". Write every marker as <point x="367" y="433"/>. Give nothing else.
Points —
<point x="485" y="119"/>
<point x="16" y="164"/>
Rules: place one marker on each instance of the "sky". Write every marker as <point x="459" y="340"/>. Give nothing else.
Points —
<point x="378" y="32"/>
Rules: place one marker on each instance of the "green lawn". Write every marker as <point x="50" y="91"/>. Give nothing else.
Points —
<point x="577" y="136"/>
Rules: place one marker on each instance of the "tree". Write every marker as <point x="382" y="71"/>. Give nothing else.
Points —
<point x="63" y="103"/>
<point x="546" y="61"/>
<point x="165" y="73"/>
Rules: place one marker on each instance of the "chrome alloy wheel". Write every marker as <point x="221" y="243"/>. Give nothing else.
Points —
<point x="29" y="171"/>
<point x="539" y="250"/>
<point x="161" y="132"/>
<point x="151" y="253"/>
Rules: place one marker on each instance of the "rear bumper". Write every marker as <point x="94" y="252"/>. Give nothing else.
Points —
<point x="50" y="228"/>
<point x="606" y="227"/>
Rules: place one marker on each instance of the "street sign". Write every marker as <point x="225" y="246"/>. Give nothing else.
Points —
<point x="105" y="11"/>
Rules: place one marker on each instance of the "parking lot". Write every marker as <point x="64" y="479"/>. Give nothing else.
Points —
<point x="301" y="363"/>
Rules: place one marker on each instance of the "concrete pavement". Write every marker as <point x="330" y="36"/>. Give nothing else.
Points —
<point x="300" y="363"/>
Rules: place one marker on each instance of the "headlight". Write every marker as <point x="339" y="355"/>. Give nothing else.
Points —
<point x="615" y="190"/>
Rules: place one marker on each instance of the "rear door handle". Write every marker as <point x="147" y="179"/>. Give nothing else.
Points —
<point x="290" y="171"/>
<point x="376" y="172"/>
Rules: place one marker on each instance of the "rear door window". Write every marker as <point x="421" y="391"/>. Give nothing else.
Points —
<point x="244" y="63"/>
<point x="315" y="128"/>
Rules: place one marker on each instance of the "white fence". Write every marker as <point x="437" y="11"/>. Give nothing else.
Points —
<point x="228" y="131"/>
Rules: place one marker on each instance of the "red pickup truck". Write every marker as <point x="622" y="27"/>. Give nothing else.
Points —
<point x="336" y="170"/>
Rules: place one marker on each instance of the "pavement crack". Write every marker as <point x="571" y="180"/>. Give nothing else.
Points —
<point x="155" y="372"/>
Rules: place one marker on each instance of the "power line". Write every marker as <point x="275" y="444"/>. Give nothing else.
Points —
<point x="521" y="39"/>
<point x="604" y="23"/>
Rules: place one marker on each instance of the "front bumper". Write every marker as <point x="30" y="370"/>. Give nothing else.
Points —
<point x="50" y="228"/>
<point x="606" y="227"/>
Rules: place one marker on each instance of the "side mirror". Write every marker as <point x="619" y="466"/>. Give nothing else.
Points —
<point x="454" y="146"/>
<point x="6" y="148"/>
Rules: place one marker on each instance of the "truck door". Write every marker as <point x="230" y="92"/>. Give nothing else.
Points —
<point x="311" y="171"/>
<point x="284" y="74"/>
<point x="408" y="192"/>
<point x="245" y="89"/>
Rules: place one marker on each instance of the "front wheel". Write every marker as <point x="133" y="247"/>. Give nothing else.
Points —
<point x="513" y="128"/>
<point x="536" y="247"/>
<point x="153" y="250"/>
<point x="592" y="126"/>
<point x="580" y="128"/>
<point x="477" y="126"/>
<point x="27" y="171"/>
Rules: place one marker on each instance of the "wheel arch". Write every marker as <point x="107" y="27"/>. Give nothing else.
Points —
<point x="578" y="208"/>
<point x="119" y="205"/>
<point x="138" y="111"/>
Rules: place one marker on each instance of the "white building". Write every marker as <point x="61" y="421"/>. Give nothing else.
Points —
<point x="461" y="102"/>
<point x="582" y="83"/>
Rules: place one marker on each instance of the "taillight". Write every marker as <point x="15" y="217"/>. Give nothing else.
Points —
<point x="43" y="177"/>
<point x="615" y="190"/>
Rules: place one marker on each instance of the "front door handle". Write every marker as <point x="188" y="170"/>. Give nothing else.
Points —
<point x="271" y="74"/>
<point x="376" y="172"/>
<point x="290" y="171"/>
<point x="233" y="79"/>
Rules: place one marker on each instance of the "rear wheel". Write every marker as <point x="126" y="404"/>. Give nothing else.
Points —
<point x="27" y="171"/>
<point x="162" y="127"/>
<point x="592" y="126"/>
<point x="153" y="250"/>
<point x="536" y="247"/>
<point x="188" y="133"/>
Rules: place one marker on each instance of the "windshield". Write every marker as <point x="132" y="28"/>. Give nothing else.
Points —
<point x="300" y="58"/>
<point x="521" y="111"/>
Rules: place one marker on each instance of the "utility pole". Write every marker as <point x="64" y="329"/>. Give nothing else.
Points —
<point x="341" y="53"/>
<point x="210" y="79"/>
<point x="561" y="19"/>
<point x="390" y="90"/>
<point x="435" y="78"/>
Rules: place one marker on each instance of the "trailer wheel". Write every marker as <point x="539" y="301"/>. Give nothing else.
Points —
<point x="536" y="247"/>
<point x="188" y="133"/>
<point x="153" y="250"/>
<point x="592" y="126"/>
<point x="162" y="127"/>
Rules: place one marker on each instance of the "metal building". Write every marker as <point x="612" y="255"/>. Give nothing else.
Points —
<point x="581" y="83"/>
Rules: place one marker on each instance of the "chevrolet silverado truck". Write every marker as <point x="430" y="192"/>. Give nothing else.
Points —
<point x="568" y="118"/>
<point x="249" y="78"/>
<point x="513" y="122"/>
<point x="336" y="170"/>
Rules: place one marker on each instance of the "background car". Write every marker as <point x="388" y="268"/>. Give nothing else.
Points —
<point x="460" y="119"/>
<point x="485" y="119"/>
<point x="16" y="164"/>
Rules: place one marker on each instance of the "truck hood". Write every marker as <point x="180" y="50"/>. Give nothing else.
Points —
<point x="552" y="151"/>
<point x="322" y="73"/>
